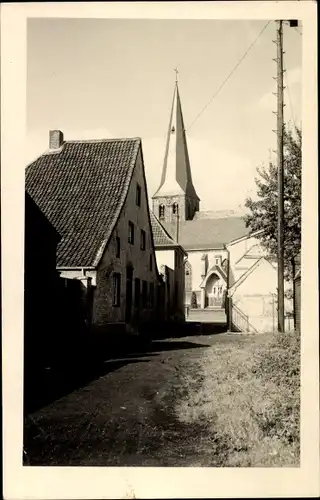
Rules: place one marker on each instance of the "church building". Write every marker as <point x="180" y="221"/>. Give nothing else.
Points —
<point x="202" y="234"/>
<point x="214" y="241"/>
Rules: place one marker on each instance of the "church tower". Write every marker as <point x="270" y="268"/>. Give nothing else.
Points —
<point x="176" y="198"/>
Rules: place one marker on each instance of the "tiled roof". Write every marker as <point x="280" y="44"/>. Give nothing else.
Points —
<point x="213" y="214"/>
<point x="211" y="233"/>
<point x="160" y="235"/>
<point x="81" y="189"/>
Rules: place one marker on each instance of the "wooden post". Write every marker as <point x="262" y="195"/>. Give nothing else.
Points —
<point x="280" y="130"/>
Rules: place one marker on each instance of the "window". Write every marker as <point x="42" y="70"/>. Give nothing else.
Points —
<point x="138" y="195"/>
<point x="137" y="292"/>
<point x="151" y="294"/>
<point x="143" y="240"/>
<point x="116" y="289"/>
<point x="218" y="260"/>
<point x="117" y="246"/>
<point x="161" y="211"/>
<point x="131" y="233"/>
<point x="150" y="262"/>
<point x="175" y="208"/>
<point x="144" y="293"/>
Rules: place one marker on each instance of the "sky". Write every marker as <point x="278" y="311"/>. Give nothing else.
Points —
<point x="111" y="78"/>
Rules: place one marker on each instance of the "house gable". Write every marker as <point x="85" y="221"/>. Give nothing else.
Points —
<point x="254" y="252"/>
<point x="259" y="279"/>
<point x="214" y="270"/>
<point x="242" y="255"/>
<point x="120" y="253"/>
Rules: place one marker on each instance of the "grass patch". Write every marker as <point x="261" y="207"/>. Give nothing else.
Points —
<point x="249" y="398"/>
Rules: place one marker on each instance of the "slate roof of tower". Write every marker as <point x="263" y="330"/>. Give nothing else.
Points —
<point x="81" y="188"/>
<point x="211" y="233"/>
<point x="176" y="175"/>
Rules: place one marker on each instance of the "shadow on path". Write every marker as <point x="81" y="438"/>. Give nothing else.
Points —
<point x="189" y="329"/>
<point x="50" y="384"/>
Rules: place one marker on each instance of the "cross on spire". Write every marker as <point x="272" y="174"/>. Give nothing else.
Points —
<point x="176" y="71"/>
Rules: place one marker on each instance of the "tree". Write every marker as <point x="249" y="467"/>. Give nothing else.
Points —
<point x="264" y="211"/>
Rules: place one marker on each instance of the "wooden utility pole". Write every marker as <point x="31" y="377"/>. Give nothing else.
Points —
<point x="280" y="130"/>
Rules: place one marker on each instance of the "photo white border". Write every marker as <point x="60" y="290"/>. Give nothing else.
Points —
<point x="143" y="482"/>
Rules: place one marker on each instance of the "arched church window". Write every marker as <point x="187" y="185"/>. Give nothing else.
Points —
<point x="175" y="208"/>
<point x="188" y="276"/>
<point x="161" y="211"/>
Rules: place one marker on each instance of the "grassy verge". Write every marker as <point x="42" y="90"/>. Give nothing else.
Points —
<point x="249" y="399"/>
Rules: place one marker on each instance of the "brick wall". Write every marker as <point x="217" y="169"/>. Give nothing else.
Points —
<point x="142" y="261"/>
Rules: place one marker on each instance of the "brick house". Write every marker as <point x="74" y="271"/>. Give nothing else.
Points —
<point x="94" y="194"/>
<point x="170" y="259"/>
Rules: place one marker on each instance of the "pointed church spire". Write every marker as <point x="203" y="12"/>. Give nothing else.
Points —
<point x="176" y="179"/>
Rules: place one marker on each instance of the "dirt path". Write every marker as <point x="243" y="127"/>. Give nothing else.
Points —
<point x="126" y="416"/>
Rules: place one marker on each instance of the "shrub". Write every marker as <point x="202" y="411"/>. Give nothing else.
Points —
<point x="280" y="364"/>
<point x="281" y="361"/>
<point x="194" y="304"/>
<point x="247" y="391"/>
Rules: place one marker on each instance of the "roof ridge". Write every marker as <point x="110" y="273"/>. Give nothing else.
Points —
<point x="116" y="139"/>
<point x="49" y="151"/>
<point x="214" y="218"/>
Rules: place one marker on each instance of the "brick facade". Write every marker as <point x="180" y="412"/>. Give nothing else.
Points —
<point x="142" y="261"/>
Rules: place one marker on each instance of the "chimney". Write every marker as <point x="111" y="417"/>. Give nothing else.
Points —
<point x="55" y="139"/>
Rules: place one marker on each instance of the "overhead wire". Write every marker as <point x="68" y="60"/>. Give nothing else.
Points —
<point x="229" y="76"/>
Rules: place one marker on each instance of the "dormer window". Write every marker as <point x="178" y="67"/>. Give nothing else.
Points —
<point x="161" y="211"/>
<point x="173" y="130"/>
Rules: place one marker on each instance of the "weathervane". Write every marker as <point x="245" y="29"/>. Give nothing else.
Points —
<point x="176" y="71"/>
